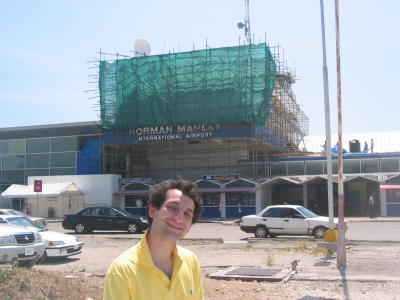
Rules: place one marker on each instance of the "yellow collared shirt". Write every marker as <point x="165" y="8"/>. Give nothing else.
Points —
<point x="133" y="276"/>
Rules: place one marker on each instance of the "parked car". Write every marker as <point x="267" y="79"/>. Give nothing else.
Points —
<point x="104" y="218"/>
<point x="56" y="244"/>
<point x="19" y="245"/>
<point x="285" y="220"/>
<point x="8" y="211"/>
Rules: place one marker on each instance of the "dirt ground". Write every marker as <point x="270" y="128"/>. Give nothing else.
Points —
<point x="91" y="265"/>
<point x="54" y="285"/>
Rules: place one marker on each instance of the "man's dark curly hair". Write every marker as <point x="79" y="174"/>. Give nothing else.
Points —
<point x="188" y="188"/>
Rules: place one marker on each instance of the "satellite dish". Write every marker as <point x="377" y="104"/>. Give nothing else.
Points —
<point x="142" y="48"/>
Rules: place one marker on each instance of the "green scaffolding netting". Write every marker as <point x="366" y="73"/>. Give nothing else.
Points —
<point x="222" y="85"/>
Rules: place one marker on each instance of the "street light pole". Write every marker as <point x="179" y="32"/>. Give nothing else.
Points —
<point x="328" y="142"/>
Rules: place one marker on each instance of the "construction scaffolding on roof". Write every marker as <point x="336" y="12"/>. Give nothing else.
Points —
<point x="287" y="118"/>
<point x="223" y="85"/>
<point x="244" y="91"/>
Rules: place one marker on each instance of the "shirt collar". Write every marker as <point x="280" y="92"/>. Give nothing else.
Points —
<point x="144" y="254"/>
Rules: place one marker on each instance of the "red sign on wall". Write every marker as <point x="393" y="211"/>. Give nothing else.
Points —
<point x="37" y="186"/>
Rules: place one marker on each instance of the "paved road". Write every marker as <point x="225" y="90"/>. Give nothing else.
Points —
<point x="369" y="231"/>
<point x="200" y="230"/>
<point x="373" y="231"/>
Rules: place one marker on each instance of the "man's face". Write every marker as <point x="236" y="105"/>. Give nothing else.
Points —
<point x="174" y="218"/>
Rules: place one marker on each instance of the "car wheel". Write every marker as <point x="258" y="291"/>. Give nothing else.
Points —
<point x="42" y="259"/>
<point x="27" y="263"/>
<point x="319" y="232"/>
<point x="80" y="228"/>
<point x="132" y="228"/>
<point x="261" y="231"/>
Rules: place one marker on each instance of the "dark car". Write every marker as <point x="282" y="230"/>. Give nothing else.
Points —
<point x="104" y="218"/>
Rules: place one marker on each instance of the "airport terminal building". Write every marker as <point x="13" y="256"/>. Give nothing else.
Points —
<point x="225" y="118"/>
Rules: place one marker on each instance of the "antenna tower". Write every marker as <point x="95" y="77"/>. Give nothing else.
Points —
<point x="247" y="22"/>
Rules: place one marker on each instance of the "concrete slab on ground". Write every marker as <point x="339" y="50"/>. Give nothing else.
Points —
<point x="251" y="273"/>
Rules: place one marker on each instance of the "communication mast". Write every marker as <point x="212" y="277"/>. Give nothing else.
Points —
<point x="246" y="24"/>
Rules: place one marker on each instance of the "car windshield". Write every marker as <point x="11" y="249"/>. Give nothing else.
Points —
<point x="18" y="213"/>
<point x="10" y="212"/>
<point x="25" y="222"/>
<point x="308" y="213"/>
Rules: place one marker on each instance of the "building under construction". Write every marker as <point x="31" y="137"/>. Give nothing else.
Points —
<point x="206" y="112"/>
<point x="225" y="118"/>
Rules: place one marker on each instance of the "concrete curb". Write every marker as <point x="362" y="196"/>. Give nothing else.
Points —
<point x="334" y="277"/>
<point x="349" y="220"/>
<point x="381" y="219"/>
<point x="54" y="220"/>
<point x="309" y="239"/>
<point x="371" y="241"/>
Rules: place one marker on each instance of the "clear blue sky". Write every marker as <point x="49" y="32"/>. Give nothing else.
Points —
<point x="45" y="44"/>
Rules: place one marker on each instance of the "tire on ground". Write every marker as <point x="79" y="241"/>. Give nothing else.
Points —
<point x="319" y="232"/>
<point x="80" y="228"/>
<point x="261" y="231"/>
<point x="132" y="228"/>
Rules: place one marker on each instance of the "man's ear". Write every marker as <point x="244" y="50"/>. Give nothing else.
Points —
<point x="152" y="211"/>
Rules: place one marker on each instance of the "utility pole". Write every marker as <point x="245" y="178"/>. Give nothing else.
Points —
<point x="341" y="246"/>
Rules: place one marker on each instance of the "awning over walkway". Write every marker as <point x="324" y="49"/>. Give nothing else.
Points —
<point x="358" y="177"/>
<point x="318" y="179"/>
<point x="390" y="187"/>
<point x="48" y="189"/>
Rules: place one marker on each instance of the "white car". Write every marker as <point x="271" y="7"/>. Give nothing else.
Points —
<point x="57" y="244"/>
<point x="286" y="220"/>
<point x="19" y="245"/>
<point x="37" y="220"/>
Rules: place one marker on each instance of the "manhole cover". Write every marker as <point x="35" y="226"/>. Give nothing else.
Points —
<point x="252" y="271"/>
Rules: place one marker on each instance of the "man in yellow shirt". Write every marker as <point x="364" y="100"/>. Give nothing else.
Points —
<point x="156" y="268"/>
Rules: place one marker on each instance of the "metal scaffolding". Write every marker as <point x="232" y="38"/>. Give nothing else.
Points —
<point x="287" y="117"/>
<point x="248" y="156"/>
